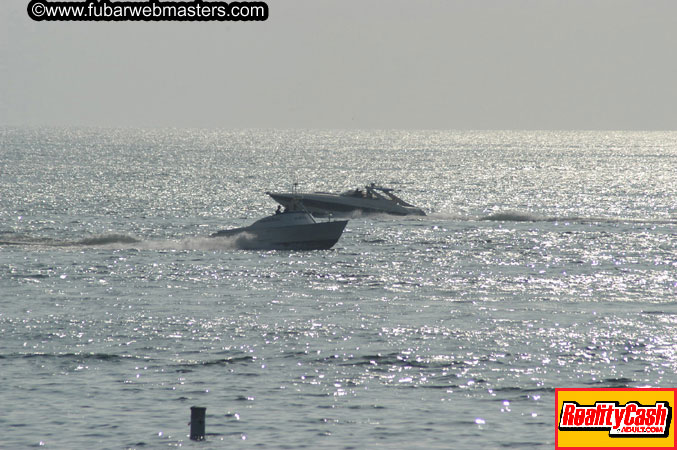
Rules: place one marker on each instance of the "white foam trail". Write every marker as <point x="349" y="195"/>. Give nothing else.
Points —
<point x="195" y="243"/>
<point x="204" y="243"/>
<point x="111" y="241"/>
<point x="445" y="216"/>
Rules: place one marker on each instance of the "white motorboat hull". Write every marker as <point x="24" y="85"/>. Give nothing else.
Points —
<point x="313" y="236"/>
<point x="320" y="204"/>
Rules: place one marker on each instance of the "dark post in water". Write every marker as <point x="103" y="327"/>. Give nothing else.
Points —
<point x="197" y="423"/>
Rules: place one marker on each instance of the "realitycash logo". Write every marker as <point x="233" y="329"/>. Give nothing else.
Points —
<point x="632" y="419"/>
<point x="597" y="418"/>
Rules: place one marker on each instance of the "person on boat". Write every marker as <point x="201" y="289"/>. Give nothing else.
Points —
<point x="278" y="210"/>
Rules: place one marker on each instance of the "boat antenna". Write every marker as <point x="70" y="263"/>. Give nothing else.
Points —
<point x="296" y="199"/>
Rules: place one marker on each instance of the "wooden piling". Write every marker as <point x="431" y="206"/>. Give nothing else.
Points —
<point x="197" y="423"/>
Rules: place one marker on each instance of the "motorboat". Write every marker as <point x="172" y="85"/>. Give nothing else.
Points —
<point x="372" y="199"/>
<point x="288" y="230"/>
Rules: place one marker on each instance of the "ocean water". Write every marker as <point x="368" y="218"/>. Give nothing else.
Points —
<point x="547" y="259"/>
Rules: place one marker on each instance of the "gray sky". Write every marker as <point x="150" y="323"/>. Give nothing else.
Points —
<point x="447" y="64"/>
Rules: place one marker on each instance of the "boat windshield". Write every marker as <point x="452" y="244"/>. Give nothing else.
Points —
<point x="360" y="193"/>
<point x="367" y="192"/>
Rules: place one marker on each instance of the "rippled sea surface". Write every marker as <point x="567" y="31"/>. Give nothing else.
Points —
<point x="547" y="259"/>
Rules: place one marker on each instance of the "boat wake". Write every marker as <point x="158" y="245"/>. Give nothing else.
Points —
<point x="107" y="239"/>
<point x="126" y="242"/>
<point x="446" y="216"/>
<point x="523" y="216"/>
<point x="516" y="216"/>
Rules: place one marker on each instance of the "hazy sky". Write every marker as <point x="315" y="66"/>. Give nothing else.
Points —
<point x="447" y="64"/>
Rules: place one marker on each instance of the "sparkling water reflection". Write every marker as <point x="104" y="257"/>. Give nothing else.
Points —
<point x="546" y="260"/>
